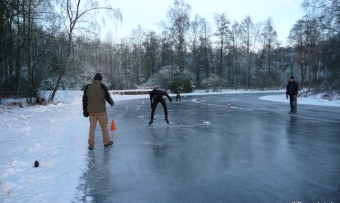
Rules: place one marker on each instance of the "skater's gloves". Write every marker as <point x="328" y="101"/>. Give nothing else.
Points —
<point x="113" y="103"/>
<point x="170" y="99"/>
<point x="287" y="96"/>
<point x="86" y="114"/>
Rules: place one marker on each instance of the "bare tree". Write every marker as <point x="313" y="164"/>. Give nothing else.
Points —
<point x="137" y="38"/>
<point x="152" y="53"/>
<point x="194" y="48"/>
<point x="330" y="9"/>
<point x="205" y="45"/>
<point x="167" y="55"/>
<point x="178" y="26"/>
<point x="73" y="12"/>
<point x="222" y="24"/>
<point x="249" y="36"/>
<point x="299" y="40"/>
<point x="269" y="40"/>
<point x="234" y="55"/>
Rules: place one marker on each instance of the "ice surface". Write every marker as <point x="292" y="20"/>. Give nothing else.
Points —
<point x="176" y="159"/>
<point x="255" y="152"/>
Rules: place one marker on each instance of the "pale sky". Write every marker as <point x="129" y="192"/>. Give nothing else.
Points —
<point x="149" y="13"/>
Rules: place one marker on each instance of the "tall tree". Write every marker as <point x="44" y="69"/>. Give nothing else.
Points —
<point x="300" y="37"/>
<point x="137" y="37"/>
<point x="222" y="25"/>
<point x="269" y="40"/>
<point x="249" y="35"/>
<point x="178" y="26"/>
<point x="74" y="13"/>
<point x="194" y="48"/>
<point x="205" y="45"/>
<point x="167" y="55"/>
<point x="234" y="57"/>
<point x="151" y="46"/>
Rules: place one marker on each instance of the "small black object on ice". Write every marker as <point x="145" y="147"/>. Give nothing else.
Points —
<point x="36" y="164"/>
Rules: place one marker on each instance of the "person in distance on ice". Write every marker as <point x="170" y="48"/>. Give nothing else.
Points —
<point x="292" y="92"/>
<point x="94" y="98"/>
<point x="178" y="96"/>
<point x="157" y="96"/>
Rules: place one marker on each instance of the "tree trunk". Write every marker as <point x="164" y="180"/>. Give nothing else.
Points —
<point x="303" y="74"/>
<point x="221" y="61"/>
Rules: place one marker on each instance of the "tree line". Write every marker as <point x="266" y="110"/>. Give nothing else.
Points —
<point x="51" y="45"/>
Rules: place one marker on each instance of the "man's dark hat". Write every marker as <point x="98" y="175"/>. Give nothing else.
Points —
<point x="98" y="76"/>
<point x="292" y="77"/>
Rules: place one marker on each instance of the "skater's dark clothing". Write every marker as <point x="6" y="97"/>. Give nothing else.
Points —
<point x="178" y="96"/>
<point x="292" y="92"/>
<point x="157" y="96"/>
<point x="154" y="106"/>
<point x="293" y="104"/>
<point x="292" y="88"/>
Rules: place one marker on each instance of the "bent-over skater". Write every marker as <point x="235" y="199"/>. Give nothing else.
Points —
<point x="157" y="96"/>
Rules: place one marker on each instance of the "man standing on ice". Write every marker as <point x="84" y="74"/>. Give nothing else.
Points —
<point x="94" y="98"/>
<point x="157" y="96"/>
<point x="292" y="92"/>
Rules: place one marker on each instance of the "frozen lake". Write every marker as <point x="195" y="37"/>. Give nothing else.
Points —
<point x="252" y="152"/>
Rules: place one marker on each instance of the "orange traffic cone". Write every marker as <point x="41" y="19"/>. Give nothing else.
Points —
<point x="113" y="126"/>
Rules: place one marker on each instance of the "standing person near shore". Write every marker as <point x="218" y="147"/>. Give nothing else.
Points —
<point x="157" y="96"/>
<point x="292" y="92"/>
<point x="95" y="95"/>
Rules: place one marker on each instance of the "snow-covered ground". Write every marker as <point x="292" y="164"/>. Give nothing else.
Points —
<point x="56" y="136"/>
<point x="53" y="135"/>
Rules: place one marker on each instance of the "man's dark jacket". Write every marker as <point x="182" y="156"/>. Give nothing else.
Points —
<point x="292" y="88"/>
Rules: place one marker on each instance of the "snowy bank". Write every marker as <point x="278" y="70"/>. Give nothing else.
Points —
<point x="54" y="135"/>
<point x="309" y="100"/>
